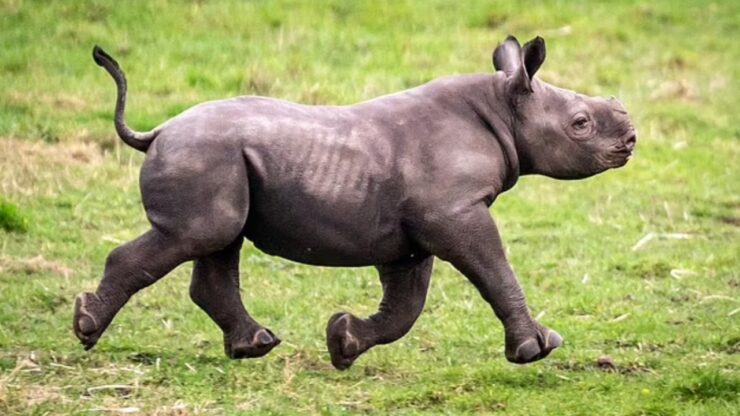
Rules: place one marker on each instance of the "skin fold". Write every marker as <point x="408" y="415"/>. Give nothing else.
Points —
<point x="391" y="182"/>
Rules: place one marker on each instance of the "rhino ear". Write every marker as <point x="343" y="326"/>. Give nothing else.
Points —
<point x="533" y="53"/>
<point x="519" y="63"/>
<point x="507" y="56"/>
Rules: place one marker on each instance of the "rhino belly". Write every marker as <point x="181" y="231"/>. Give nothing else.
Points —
<point x="315" y="232"/>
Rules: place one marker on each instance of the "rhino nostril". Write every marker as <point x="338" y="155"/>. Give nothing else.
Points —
<point x="630" y="142"/>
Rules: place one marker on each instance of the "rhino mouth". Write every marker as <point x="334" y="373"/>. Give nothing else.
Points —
<point x="621" y="153"/>
<point x="624" y="159"/>
<point x="616" y="156"/>
<point x="619" y="157"/>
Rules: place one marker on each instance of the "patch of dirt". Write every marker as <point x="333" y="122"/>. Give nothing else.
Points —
<point x="730" y="220"/>
<point x="303" y="360"/>
<point x="35" y="395"/>
<point x="34" y="167"/>
<point x="64" y="102"/>
<point x="260" y="82"/>
<point x="495" y="20"/>
<point x="33" y="265"/>
<point x="29" y="394"/>
<point x="607" y="364"/>
<point x="69" y="102"/>
<point x="178" y="409"/>
<point x="680" y="89"/>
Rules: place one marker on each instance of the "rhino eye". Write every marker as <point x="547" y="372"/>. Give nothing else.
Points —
<point x="580" y="123"/>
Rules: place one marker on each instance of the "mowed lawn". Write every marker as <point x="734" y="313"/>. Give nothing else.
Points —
<point x="639" y="264"/>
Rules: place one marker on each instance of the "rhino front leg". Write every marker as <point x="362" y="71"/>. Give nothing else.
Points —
<point x="215" y="288"/>
<point x="470" y="240"/>
<point x="405" y="284"/>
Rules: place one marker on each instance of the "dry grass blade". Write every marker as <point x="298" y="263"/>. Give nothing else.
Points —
<point x="121" y="388"/>
<point x="121" y="410"/>
<point x="23" y="364"/>
<point x="665" y="236"/>
<point x="620" y="318"/>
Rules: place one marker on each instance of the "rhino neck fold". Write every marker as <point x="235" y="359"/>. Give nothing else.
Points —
<point x="486" y="98"/>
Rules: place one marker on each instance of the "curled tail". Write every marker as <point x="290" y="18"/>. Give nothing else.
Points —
<point x="135" y="139"/>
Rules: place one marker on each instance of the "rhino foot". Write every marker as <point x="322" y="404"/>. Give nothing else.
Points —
<point x="344" y="347"/>
<point x="87" y="322"/>
<point x="535" y="347"/>
<point x="257" y="345"/>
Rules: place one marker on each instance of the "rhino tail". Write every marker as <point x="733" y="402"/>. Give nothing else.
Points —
<point x="137" y="140"/>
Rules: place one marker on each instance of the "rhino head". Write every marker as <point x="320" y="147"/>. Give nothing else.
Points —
<point x="557" y="132"/>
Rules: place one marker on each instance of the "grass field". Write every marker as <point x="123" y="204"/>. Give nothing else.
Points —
<point x="638" y="264"/>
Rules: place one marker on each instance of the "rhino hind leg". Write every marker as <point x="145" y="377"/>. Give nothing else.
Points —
<point x="215" y="289"/>
<point x="405" y="286"/>
<point x="128" y="269"/>
<point x="193" y="214"/>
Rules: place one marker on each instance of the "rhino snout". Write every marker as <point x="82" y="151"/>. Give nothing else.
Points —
<point x="630" y="142"/>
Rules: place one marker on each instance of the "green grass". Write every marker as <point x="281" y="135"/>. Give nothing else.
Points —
<point x="11" y="219"/>
<point x="666" y="313"/>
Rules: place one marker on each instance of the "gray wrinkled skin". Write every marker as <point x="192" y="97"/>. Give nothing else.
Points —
<point x="391" y="182"/>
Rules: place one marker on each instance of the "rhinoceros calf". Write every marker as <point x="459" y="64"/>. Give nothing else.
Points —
<point x="391" y="182"/>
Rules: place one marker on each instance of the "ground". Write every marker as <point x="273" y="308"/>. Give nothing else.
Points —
<point x="639" y="265"/>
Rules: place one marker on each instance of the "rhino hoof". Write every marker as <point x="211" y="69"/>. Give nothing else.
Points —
<point x="262" y="342"/>
<point x="86" y="324"/>
<point x="535" y="348"/>
<point x="344" y="347"/>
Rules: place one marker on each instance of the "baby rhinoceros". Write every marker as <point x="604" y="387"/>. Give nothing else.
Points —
<point x="390" y="182"/>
